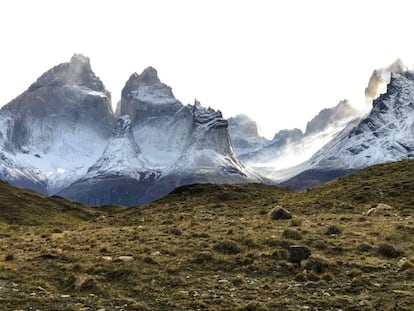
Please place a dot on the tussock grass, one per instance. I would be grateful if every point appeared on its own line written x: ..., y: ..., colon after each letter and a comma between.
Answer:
x: 214, y: 247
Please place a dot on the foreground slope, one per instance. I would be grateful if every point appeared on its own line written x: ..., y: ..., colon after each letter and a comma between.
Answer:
x: 26, y: 207
x: 214, y: 247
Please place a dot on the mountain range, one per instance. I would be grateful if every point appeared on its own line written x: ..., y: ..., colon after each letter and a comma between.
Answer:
x: 61, y: 137
x: 341, y: 139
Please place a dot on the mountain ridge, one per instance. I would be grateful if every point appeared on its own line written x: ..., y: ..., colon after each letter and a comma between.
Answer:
x: 58, y: 137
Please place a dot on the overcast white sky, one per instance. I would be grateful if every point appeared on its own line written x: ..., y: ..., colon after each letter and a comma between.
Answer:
x: 278, y: 61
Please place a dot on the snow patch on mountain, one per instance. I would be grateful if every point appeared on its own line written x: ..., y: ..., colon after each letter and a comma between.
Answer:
x: 54, y: 131
x: 122, y: 156
x: 290, y: 148
x: 386, y: 134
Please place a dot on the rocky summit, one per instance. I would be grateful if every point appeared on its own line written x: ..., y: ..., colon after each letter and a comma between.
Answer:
x: 384, y: 135
x: 62, y: 137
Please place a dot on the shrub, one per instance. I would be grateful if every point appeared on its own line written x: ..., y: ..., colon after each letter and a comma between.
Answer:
x: 292, y: 234
x: 203, y: 257
x: 227, y: 247
x: 319, y: 244
x: 317, y: 265
x: 9, y: 257
x: 327, y: 276
x: 295, y: 222
x: 388, y: 251
x: 312, y: 276
x: 175, y: 231
x: 333, y: 230
x: 364, y: 247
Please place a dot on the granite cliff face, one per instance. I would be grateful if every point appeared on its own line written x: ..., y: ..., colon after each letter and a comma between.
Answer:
x: 120, y: 176
x: 62, y: 137
x: 244, y: 134
x: 186, y: 143
x: 56, y: 129
x: 144, y: 96
x: 386, y: 134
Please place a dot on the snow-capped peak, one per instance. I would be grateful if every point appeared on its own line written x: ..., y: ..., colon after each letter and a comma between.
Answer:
x: 122, y: 156
x: 77, y: 72
x: 397, y: 66
x: 386, y: 134
x: 80, y: 58
x: 149, y: 76
x: 380, y: 78
x: 208, y: 116
x: 148, y: 88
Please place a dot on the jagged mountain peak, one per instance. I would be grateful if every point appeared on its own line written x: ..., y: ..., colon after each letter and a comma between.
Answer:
x: 144, y: 96
x: 380, y: 78
x: 209, y: 116
x: 148, y: 82
x: 397, y: 66
x: 149, y: 75
x: 147, y: 87
x: 81, y: 59
x: 76, y: 72
x: 244, y: 134
x: 385, y: 134
x: 287, y: 135
x: 329, y: 116
x: 244, y: 125
x: 398, y: 93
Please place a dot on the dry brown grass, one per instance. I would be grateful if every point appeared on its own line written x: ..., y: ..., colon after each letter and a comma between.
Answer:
x: 213, y: 247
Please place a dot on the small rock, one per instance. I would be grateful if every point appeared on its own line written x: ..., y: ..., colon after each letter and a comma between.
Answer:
x: 278, y: 213
x: 298, y: 253
x: 380, y: 210
x: 106, y: 258
x: 64, y: 296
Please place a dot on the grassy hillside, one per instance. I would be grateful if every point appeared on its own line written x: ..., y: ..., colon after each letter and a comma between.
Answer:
x: 214, y: 247
x: 26, y: 207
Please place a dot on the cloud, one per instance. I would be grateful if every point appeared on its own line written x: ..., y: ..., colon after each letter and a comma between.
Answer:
x: 379, y: 80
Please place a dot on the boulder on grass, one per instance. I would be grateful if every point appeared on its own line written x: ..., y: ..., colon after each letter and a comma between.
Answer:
x: 279, y: 213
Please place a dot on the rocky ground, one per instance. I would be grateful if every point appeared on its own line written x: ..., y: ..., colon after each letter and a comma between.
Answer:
x: 344, y: 246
